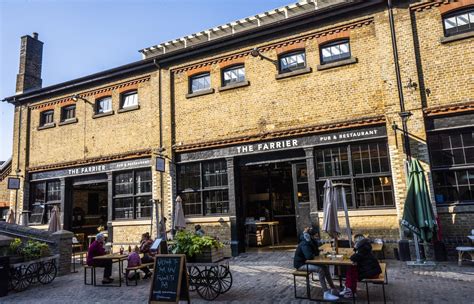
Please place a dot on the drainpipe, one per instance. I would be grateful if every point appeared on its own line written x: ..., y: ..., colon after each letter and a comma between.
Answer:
x: 403, y: 113
x: 17, y: 171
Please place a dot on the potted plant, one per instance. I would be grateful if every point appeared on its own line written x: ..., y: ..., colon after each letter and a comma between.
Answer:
x: 202, y: 249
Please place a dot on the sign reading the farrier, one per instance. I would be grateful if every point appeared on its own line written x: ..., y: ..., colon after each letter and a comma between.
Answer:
x: 287, y: 144
x: 268, y: 146
x: 93, y: 169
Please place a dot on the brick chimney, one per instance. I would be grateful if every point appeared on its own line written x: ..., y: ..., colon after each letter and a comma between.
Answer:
x: 31, y: 57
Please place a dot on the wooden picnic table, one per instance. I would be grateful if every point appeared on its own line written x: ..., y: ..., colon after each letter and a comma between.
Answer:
x: 376, y: 247
x: 115, y: 258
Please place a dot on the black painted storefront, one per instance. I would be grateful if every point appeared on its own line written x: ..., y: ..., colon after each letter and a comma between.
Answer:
x: 292, y: 151
x: 95, y: 176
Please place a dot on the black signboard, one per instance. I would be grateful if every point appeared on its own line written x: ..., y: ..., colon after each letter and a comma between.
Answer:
x: 160, y: 164
x: 170, y: 280
x: 13, y: 183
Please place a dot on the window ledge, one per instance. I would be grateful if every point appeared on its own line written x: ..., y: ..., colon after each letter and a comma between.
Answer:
x: 234, y: 86
x: 367, y: 212
x: 336, y: 64
x: 456, y: 37
x: 128, y: 109
x: 47, y: 126
x: 200, y: 93
x: 128, y: 222
x: 103, y: 114
x: 459, y: 208
x: 293, y: 73
x: 68, y: 121
x: 207, y: 219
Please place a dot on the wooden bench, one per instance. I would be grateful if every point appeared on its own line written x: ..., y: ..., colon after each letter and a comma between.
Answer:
x: 462, y: 250
x: 382, y: 279
x: 135, y: 270
x: 305, y: 274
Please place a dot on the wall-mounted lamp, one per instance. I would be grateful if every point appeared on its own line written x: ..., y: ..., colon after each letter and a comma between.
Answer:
x: 76, y: 97
x: 255, y: 52
x: 411, y: 84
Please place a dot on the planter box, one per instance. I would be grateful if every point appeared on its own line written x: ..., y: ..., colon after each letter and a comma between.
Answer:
x: 209, y: 255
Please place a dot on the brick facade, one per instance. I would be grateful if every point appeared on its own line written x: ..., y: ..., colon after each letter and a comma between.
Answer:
x: 360, y: 92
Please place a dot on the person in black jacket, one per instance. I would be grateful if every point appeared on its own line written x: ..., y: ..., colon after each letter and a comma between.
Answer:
x: 308, y: 249
x: 367, y: 267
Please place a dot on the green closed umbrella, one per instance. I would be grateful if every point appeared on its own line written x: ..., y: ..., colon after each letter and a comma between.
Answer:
x: 418, y: 214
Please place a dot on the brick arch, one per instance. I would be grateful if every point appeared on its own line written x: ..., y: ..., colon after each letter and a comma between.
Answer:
x: 322, y: 40
x: 454, y: 6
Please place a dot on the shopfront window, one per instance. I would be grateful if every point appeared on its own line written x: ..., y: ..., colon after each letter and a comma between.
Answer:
x: 302, y: 183
x: 44, y: 196
x: 132, y: 194
x: 364, y: 169
x: 204, y: 188
x: 452, y: 165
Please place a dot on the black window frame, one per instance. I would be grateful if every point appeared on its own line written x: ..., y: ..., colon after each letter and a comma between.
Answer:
x: 201, y: 190
x: 66, y: 110
x: 97, y: 102
x: 229, y: 68
x: 125, y: 94
x: 289, y: 54
x: 456, y: 13
x: 46, y: 204
x: 46, y: 118
x: 197, y: 76
x: 134, y: 195
x: 353, y: 177
x: 331, y: 44
x: 447, y: 172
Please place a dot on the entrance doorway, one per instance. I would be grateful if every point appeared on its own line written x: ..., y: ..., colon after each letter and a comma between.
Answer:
x: 89, y: 209
x: 267, y: 195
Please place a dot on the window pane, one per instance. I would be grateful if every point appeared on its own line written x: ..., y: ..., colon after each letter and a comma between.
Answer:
x: 46, y: 117
x: 191, y: 203
x: 143, y: 181
x: 130, y: 99
x: 104, y: 105
x: 335, y: 51
x: 189, y: 177
x: 215, y: 173
x: 303, y: 193
x: 234, y: 75
x: 450, y: 22
x: 216, y: 202
x: 293, y: 61
x: 200, y: 82
x: 123, y: 208
x: 144, y: 207
x: 68, y: 112
x: 54, y: 191
x: 124, y: 183
x: 451, y: 148
x: 374, y: 191
x: 459, y: 22
x: 39, y: 193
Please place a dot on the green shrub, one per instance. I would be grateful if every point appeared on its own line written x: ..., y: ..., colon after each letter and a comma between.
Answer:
x: 33, y: 250
x: 191, y: 244
x: 15, y: 245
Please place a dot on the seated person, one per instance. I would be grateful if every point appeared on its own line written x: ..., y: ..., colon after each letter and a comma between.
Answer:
x: 368, y: 267
x: 198, y: 230
x: 145, y: 245
x: 134, y: 261
x: 308, y: 249
x: 97, y: 249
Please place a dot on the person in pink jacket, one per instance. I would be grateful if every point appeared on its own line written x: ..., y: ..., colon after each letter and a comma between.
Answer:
x: 97, y: 249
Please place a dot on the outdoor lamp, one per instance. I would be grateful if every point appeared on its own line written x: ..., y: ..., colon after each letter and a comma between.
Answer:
x: 255, y: 52
x: 76, y: 97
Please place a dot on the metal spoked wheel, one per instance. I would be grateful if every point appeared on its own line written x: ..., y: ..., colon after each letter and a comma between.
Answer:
x: 31, y: 273
x: 225, y: 278
x: 47, y: 272
x: 19, y: 280
x: 194, y: 274
x: 208, y: 285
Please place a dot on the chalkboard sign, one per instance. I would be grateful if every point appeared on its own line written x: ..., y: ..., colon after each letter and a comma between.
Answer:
x: 170, y: 281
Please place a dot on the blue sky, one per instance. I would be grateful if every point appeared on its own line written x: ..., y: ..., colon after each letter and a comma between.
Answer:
x: 82, y: 37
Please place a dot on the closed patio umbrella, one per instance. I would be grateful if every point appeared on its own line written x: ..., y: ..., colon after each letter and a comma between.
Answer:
x: 418, y: 216
x: 55, y: 220
x: 179, y: 220
x: 330, y: 220
x: 11, y: 217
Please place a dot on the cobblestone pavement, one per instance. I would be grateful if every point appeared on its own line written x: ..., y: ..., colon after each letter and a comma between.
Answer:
x: 265, y: 278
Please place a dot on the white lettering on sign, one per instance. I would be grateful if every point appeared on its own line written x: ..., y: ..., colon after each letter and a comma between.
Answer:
x: 347, y: 135
x: 268, y: 146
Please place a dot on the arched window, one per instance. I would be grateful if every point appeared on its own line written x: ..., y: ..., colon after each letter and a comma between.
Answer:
x: 458, y: 22
x: 334, y: 51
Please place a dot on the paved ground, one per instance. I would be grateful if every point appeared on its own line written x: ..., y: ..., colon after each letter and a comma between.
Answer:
x: 265, y: 278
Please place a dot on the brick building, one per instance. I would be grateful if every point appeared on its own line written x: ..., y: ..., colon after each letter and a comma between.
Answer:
x: 5, y: 171
x: 253, y: 116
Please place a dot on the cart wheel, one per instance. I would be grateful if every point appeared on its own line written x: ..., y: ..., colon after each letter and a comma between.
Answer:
x: 19, y: 280
x: 31, y: 273
x: 47, y: 272
x: 208, y: 286
x: 225, y: 278
x: 193, y: 277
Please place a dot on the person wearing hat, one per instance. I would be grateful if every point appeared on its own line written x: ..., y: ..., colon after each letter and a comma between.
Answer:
x: 97, y: 249
x: 308, y: 249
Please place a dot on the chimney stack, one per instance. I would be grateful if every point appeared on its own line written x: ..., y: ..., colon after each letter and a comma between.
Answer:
x: 31, y: 57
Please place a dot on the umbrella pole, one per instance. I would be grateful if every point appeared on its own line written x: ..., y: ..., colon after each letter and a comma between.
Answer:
x: 336, y: 247
x: 346, y: 212
x: 417, y: 248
